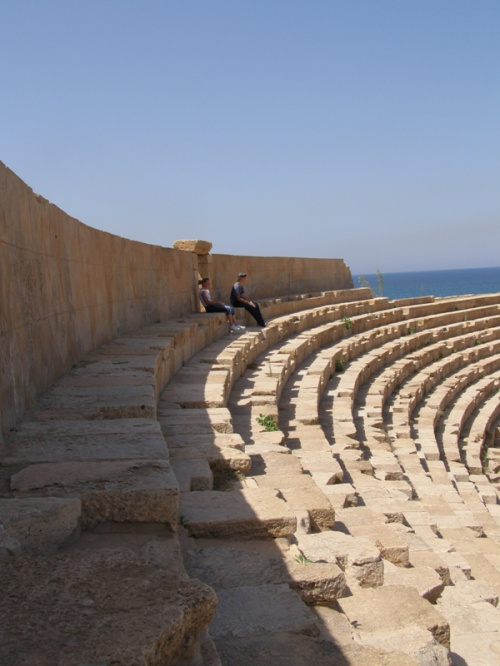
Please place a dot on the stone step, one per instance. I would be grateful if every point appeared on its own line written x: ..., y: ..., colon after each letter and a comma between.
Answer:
x: 70, y: 608
x: 288, y: 649
x: 194, y: 421
x: 246, y: 513
x: 424, y: 579
x: 357, y: 557
x: 96, y: 402
x: 225, y: 567
x: 218, y: 457
x: 389, y: 615
x: 130, y: 491
x: 80, y: 441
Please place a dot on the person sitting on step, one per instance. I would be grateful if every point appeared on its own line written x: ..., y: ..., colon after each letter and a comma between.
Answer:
x: 239, y: 300
x: 216, y: 306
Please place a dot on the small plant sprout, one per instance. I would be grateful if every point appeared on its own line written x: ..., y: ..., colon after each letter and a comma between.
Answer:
x: 347, y: 322
x: 339, y: 364
x: 302, y: 559
x: 267, y: 422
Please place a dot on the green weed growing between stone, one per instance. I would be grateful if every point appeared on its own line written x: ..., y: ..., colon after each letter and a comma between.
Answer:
x: 267, y: 422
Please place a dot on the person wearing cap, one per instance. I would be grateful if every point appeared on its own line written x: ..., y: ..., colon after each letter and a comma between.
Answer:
x: 239, y: 300
x: 216, y: 306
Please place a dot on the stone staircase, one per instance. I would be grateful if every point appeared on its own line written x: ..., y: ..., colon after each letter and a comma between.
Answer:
x: 364, y: 528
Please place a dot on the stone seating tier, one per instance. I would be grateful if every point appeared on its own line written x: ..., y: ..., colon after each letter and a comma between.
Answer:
x: 329, y: 509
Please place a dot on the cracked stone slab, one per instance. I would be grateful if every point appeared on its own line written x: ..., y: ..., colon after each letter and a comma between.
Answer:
x: 132, y: 491
x: 387, y: 540
x: 247, y: 513
x: 225, y: 567
x: 418, y: 644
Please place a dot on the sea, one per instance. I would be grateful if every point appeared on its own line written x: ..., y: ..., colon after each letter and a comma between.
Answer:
x: 455, y: 282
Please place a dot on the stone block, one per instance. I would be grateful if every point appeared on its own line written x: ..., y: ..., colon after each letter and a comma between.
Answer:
x: 358, y: 557
x: 132, y: 491
x: 391, y: 609
x: 312, y: 500
x: 424, y: 579
x: 193, y: 474
x: 387, y: 540
x: 262, y: 609
x: 194, y: 421
x: 40, y: 525
x: 199, y: 247
x: 80, y: 441
x: 97, y: 402
x: 108, y: 606
x: 248, y: 513
x: 317, y: 582
x: 218, y: 457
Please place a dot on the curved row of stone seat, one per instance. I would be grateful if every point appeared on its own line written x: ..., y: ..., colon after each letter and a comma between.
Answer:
x: 471, y: 399
x: 413, y: 390
x: 474, y: 443
x: 439, y: 400
x: 326, y: 362
x: 89, y: 514
x: 205, y: 383
x: 463, y: 519
x: 421, y: 519
x: 432, y: 366
x: 270, y: 371
x: 146, y: 376
x: 388, y: 550
x: 403, y: 373
x: 390, y: 470
x: 233, y: 514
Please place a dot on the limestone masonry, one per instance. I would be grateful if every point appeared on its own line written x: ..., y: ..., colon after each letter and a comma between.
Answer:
x: 323, y: 490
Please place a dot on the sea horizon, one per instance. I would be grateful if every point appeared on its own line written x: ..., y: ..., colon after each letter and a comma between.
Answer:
x: 438, y: 283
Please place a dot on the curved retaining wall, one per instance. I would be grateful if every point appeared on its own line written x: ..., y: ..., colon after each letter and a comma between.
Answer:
x: 66, y: 288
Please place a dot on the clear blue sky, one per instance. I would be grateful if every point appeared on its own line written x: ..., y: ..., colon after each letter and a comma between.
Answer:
x: 362, y: 129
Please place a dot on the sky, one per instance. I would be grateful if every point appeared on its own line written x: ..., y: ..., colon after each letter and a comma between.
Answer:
x: 362, y: 129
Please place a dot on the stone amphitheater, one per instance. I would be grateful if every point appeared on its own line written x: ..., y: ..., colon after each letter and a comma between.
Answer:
x: 320, y: 491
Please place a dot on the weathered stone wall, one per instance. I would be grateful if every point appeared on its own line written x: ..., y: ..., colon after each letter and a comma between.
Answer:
x: 66, y: 288
x: 277, y: 276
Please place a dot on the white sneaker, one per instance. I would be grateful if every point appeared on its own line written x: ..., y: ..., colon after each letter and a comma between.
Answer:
x: 242, y: 328
x: 234, y: 328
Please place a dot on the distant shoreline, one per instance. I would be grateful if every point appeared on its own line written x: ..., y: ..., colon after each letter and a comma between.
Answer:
x: 449, y: 282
